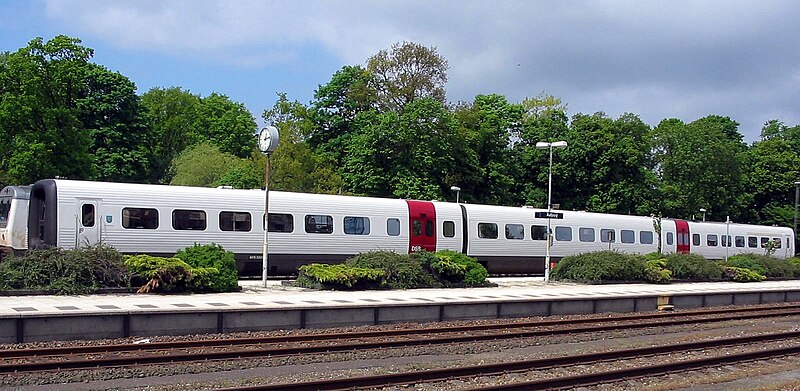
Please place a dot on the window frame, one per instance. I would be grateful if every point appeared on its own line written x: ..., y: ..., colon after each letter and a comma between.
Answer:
x: 316, y: 227
x: 586, y: 235
x: 488, y: 231
x: 519, y: 233
x: 362, y: 231
x: 138, y: 218
x: 234, y: 223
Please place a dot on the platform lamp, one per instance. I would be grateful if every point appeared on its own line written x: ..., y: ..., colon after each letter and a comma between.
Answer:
x: 550, y: 146
x: 704, y: 213
x: 796, y: 201
x: 268, y: 141
x: 457, y: 190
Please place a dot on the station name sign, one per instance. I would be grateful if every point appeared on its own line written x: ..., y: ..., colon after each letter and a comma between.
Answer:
x: 548, y: 215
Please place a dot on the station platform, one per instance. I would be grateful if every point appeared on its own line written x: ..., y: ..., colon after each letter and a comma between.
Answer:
x: 278, y: 306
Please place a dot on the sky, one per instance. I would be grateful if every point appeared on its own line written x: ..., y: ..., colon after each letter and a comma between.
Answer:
x: 656, y: 59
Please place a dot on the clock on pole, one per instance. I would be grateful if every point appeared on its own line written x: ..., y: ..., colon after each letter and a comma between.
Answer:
x: 268, y: 139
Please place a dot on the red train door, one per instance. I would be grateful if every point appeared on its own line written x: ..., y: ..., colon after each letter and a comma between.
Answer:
x: 682, y: 239
x: 422, y: 229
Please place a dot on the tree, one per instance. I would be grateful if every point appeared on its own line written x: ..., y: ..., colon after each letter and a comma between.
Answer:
x: 171, y: 114
x: 774, y: 167
x: 40, y: 86
x: 701, y: 165
x: 406, y: 72
x: 203, y: 165
x: 228, y: 124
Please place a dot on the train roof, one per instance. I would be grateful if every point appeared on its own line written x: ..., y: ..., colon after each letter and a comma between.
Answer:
x: 17, y: 192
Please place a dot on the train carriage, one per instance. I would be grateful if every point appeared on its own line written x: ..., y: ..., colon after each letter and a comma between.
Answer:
x: 13, y: 219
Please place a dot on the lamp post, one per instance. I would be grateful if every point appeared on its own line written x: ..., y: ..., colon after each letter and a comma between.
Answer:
x: 268, y: 141
x: 457, y: 190
x: 704, y: 213
x: 796, y: 201
x: 550, y: 146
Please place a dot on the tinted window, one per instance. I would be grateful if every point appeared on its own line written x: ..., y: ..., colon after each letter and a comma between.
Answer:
x: 235, y: 221
x: 764, y: 242
x: 279, y: 222
x: 487, y: 230
x: 139, y: 218
x: 449, y: 229
x: 319, y: 224
x: 356, y: 225
x: 188, y: 219
x: 429, y: 228
x: 739, y: 241
x: 646, y: 237
x: 393, y: 227
x: 586, y: 234
x: 538, y: 232
x: 5, y: 210
x: 711, y: 240
x: 607, y: 235
x: 726, y: 240
x: 564, y: 234
x: 628, y: 236
x: 416, y: 228
x: 515, y: 231
x: 87, y: 215
x: 670, y: 238
x: 752, y: 241
x: 777, y: 242
x: 695, y: 239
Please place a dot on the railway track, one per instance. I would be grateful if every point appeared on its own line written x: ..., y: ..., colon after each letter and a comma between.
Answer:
x: 94, y: 357
x: 587, y: 379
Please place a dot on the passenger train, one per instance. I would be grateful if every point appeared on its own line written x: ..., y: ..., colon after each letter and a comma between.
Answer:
x: 304, y: 228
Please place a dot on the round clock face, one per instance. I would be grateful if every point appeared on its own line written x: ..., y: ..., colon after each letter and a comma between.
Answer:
x: 268, y: 139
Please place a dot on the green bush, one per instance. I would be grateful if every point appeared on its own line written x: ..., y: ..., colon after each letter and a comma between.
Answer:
x: 339, y: 276
x: 226, y: 279
x: 76, y: 271
x: 739, y: 274
x: 600, y: 266
x: 454, y: 267
x: 158, y: 274
x: 765, y: 265
x: 401, y: 270
x: 655, y: 271
x: 693, y: 267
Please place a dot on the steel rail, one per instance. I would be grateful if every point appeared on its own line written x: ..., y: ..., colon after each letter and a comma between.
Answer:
x: 159, y: 358
x: 427, y: 376
x: 74, y: 350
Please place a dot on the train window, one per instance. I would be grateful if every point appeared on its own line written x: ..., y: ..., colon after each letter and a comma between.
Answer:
x: 670, y: 238
x: 695, y: 239
x: 752, y: 241
x: 711, y: 240
x: 739, y: 241
x: 393, y: 227
x: 416, y: 228
x: 538, y: 232
x: 627, y: 236
x: 5, y: 210
x: 586, y: 234
x: 279, y: 222
x: 487, y: 230
x: 356, y: 225
x: 319, y: 224
x: 764, y: 242
x: 726, y: 241
x: 235, y: 221
x: 646, y: 237
x: 515, y: 231
x: 607, y: 235
x: 139, y: 218
x: 87, y: 215
x: 188, y: 220
x: 564, y: 234
x: 429, y: 228
x: 449, y: 229
x: 777, y: 242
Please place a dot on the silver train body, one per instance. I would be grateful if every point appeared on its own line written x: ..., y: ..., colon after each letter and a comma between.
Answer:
x: 14, y: 219
x: 305, y: 228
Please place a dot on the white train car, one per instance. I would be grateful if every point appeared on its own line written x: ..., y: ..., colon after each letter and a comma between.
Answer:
x: 13, y: 219
x: 716, y: 240
x: 161, y: 220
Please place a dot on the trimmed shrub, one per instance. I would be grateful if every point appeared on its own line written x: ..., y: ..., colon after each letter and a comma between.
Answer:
x: 765, y: 265
x: 739, y: 274
x: 693, y: 267
x: 401, y: 271
x: 454, y: 267
x: 157, y: 274
x: 68, y: 272
x: 656, y: 271
x: 226, y: 279
x: 596, y: 267
x: 338, y: 276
